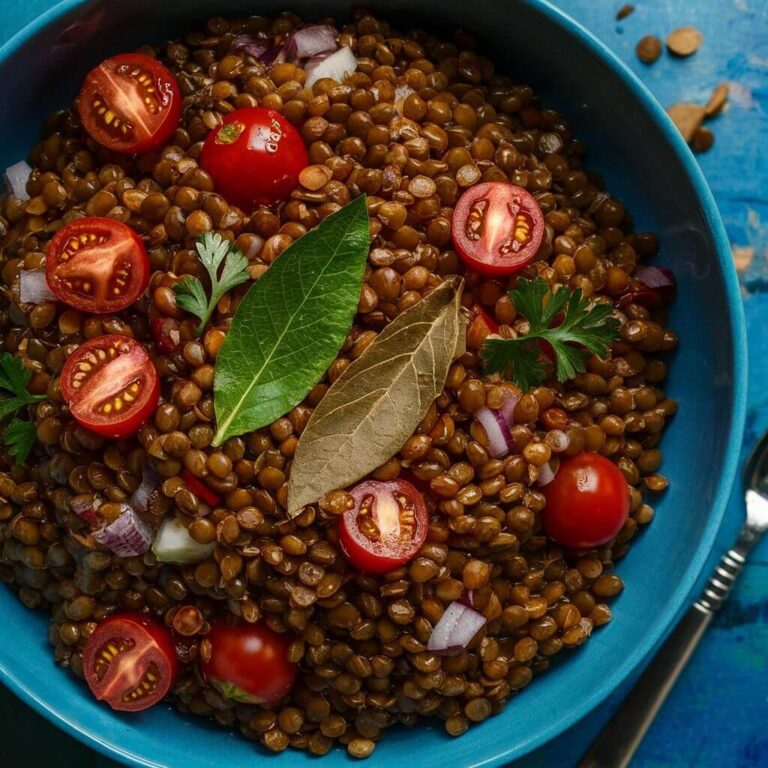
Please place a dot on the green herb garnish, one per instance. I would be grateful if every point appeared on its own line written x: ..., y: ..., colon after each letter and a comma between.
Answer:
x: 290, y: 325
x: 589, y: 326
x: 213, y: 250
x: 14, y: 377
x: 19, y: 436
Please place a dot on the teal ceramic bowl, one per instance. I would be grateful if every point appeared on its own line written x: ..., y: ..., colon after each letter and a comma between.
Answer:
x: 646, y: 163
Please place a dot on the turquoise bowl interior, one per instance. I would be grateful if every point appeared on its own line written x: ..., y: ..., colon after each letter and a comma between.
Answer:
x: 646, y: 163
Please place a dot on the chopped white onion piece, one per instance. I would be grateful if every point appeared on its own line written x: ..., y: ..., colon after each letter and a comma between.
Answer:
x: 310, y: 41
x: 33, y: 287
x: 128, y: 536
x: 16, y: 178
x: 336, y: 66
x: 547, y: 473
x: 173, y: 544
x: 456, y: 628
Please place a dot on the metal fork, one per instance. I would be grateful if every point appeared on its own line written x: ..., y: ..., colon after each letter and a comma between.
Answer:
x: 616, y: 743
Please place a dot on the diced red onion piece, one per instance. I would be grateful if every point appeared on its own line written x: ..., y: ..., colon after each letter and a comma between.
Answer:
x: 16, y: 178
x: 508, y: 409
x: 456, y: 628
x: 656, y: 277
x: 496, y: 429
x: 249, y: 46
x: 85, y: 506
x: 149, y: 481
x: 273, y: 55
x: 311, y: 41
x: 128, y: 536
x: 33, y: 287
x: 546, y: 475
x: 336, y: 66
x: 467, y: 597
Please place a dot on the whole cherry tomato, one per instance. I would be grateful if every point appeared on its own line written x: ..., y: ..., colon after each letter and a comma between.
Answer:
x: 255, y: 157
x: 587, y: 502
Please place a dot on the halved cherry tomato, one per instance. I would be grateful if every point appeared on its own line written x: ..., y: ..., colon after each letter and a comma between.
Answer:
x: 249, y: 663
x: 110, y: 385
x: 130, y: 662
x: 130, y: 103
x: 200, y: 489
x: 386, y: 527
x: 97, y: 265
x: 587, y: 502
x: 497, y: 228
x: 255, y: 157
x: 480, y: 328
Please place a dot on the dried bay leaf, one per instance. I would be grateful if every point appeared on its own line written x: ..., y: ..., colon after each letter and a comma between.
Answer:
x: 375, y: 405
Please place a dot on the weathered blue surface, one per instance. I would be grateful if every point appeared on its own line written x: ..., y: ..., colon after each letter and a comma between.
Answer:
x: 716, y: 715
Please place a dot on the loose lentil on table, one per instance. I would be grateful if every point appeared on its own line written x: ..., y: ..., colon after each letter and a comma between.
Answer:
x: 360, y: 640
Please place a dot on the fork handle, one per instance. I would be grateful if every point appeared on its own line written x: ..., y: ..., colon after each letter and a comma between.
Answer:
x: 616, y: 743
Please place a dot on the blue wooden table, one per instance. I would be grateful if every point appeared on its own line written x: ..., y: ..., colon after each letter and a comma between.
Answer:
x: 716, y: 716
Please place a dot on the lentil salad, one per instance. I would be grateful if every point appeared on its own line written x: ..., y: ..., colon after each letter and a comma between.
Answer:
x: 360, y: 640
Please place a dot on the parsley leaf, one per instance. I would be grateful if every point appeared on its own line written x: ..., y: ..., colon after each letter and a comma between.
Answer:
x: 213, y: 250
x: 19, y: 436
x: 14, y: 377
x: 590, y: 326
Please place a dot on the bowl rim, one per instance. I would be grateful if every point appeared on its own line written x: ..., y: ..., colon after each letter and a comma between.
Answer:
x: 737, y: 325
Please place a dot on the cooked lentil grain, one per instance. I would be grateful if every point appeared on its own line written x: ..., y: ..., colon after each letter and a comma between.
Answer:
x: 360, y: 640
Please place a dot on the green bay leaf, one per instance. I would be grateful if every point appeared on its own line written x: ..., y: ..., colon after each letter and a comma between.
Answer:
x: 375, y: 405
x: 291, y: 324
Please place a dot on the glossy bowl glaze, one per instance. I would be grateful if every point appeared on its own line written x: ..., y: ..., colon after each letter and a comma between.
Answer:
x: 646, y: 163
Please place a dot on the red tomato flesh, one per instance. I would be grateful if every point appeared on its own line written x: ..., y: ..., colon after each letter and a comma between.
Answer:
x: 130, y: 662
x: 497, y: 228
x: 255, y: 157
x: 97, y: 265
x: 200, y: 489
x: 249, y: 663
x: 386, y: 527
x: 110, y: 385
x: 130, y: 103
x: 587, y: 502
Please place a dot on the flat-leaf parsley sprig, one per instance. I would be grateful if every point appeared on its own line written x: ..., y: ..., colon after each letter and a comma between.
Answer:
x: 19, y: 435
x: 213, y: 250
x: 586, y: 328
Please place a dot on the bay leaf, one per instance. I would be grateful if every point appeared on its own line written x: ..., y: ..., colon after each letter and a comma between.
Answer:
x: 375, y: 405
x: 290, y: 325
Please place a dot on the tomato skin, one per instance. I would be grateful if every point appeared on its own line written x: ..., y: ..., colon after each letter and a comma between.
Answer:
x: 129, y: 76
x: 152, y: 644
x: 587, y: 502
x: 249, y: 662
x: 86, y: 395
x: 200, y: 489
x: 69, y: 269
x: 394, y: 547
x: 497, y: 228
x: 164, y: 330
x: 254, y: 157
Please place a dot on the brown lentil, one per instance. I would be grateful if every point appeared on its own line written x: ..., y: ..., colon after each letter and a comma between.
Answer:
x: 361, y: 640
